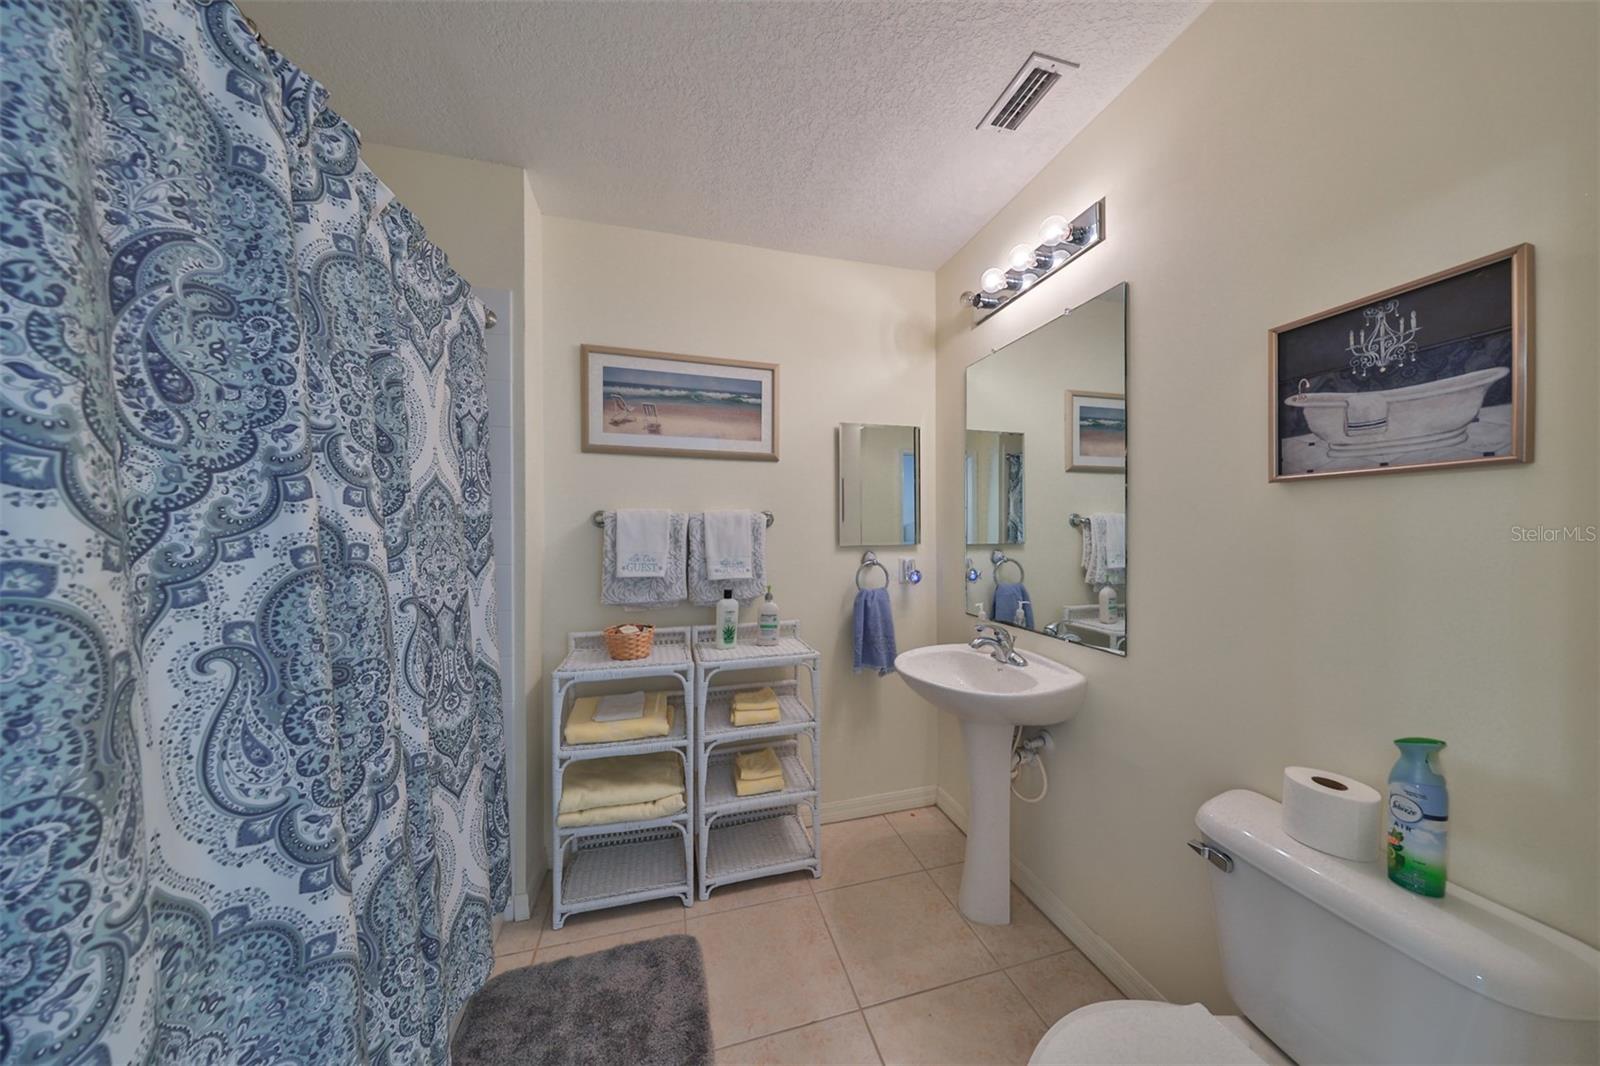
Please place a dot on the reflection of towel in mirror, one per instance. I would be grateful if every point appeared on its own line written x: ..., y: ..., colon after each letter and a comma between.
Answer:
x: 1097, y: 569
x: 1366, y: 412
x: 1116, y: 541
x: 874, y: 632
x: 1009, y: 598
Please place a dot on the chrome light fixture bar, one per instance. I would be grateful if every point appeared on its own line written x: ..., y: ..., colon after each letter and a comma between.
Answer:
x: 1060, y: 242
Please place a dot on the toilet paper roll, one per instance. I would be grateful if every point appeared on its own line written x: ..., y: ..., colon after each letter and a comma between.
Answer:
x: 1331, y: 812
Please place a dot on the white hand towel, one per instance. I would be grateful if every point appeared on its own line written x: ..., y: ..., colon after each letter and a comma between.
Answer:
x: 729, y: 545
x: 644, y: 542
x: 1116, y: 541
x: 620, y: 708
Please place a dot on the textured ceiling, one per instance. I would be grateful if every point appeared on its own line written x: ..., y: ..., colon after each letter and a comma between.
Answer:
x: 838, y: 129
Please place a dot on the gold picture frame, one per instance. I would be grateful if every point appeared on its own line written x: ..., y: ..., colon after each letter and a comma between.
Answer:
x: 641, y: 402
x: 1113, y: 459
x: 1460, y: 396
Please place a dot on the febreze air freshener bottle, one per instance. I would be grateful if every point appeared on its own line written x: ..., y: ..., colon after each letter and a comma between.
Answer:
x: 1419, y: 812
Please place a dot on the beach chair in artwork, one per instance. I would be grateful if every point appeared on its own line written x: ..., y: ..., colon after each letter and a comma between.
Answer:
x: 652, y: 422
x: 622, y: 414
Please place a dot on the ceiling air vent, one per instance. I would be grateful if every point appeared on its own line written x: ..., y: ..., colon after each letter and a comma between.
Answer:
x: 1035, y: 78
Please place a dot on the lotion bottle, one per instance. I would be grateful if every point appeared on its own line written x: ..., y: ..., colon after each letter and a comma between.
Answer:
x: 1108, y: 603
x: 767, y: 623
x: 727, y: 620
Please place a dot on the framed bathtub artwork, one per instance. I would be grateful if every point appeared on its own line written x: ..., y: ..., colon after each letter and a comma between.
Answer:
x: 639, y: 402
x: 1097, y: 431
x: 1432, y: 374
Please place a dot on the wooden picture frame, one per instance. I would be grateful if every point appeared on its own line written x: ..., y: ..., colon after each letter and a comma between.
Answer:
x: 640, y: 402
x: 1443, y: 369
x: 1109, y: 455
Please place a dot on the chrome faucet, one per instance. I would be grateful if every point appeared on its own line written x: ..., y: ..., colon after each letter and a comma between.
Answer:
x: 998, y: 641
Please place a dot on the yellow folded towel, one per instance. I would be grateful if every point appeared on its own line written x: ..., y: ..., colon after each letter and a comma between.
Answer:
x: 624, y: 812
x: 755, y: 764
x: 766, y: 717
x: 655, y: 722
x: 621, y: 780
x: 758, y: 785
x: 759, y: 699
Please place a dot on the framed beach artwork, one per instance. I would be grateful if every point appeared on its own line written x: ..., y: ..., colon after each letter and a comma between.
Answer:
x: 657, y: 403
x: 1435, y: 373
x: 1097, y: 431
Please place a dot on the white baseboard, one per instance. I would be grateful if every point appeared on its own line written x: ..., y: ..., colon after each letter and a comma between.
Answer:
x: 518, y: 909
x: 1129, y: 981
x: 881, y: 803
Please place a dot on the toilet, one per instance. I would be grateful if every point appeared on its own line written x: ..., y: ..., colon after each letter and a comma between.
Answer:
x: 1331, y: 963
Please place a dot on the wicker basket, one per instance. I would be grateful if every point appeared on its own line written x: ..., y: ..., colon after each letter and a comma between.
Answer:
x: 630, y: 645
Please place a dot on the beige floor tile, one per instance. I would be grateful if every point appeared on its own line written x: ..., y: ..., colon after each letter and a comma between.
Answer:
x: 932, y: 838
x: 1030, y: 934
x: 841, y: 1041
x: 770, y: 967
x: 600, y: 943
x: 984, y: 1020
x: 502, y: 963
x: 1059, y: 984
x: 614, y: 920
x: 749, y: 893
x: 517, y: 937
x: 862, y: 850
x: 900, y: 936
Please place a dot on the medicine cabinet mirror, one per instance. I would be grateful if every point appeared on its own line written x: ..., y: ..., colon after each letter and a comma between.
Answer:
x: 879, y: 490
x: 1046, y: 482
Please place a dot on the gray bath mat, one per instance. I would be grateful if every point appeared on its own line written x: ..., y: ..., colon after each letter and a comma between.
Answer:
x: 639, y: 1003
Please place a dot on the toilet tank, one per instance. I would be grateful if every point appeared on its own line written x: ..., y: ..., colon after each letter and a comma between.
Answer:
x: 1338, y: 965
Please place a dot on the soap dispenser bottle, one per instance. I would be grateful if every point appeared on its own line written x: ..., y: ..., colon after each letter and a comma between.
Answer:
x: 727, y: 620
x: 1419, y: 817
x: 767, y: 623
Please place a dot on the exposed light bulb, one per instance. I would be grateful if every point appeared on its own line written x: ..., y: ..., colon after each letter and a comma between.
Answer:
x: 993, y: 280
x: 1021, y: 257
x: 1052, y: 230
x: 1027, y: 280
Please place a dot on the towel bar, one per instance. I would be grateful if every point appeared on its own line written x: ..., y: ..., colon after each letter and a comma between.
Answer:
x: 599, y: 518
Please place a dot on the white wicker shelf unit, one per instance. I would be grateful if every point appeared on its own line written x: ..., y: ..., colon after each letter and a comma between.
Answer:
x: 598, y: 866
x: 745, y: 837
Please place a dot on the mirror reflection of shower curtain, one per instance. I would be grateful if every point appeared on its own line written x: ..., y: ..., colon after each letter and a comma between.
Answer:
x: 1014, y: 476
x: 254, y: 804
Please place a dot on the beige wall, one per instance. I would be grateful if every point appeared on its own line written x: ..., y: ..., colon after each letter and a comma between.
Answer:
x: 854, y: 343
x: 485, y: 218
x: 1276, y: 160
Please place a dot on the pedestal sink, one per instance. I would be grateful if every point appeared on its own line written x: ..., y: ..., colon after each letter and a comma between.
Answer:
x: 991, y: 698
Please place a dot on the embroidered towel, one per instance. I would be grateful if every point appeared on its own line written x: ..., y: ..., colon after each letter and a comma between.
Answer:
x: 644, y: 543
x: 729, y: 545
x: 704, y: 590
x: 873, y: 632
x: 1116, y: 541
x: 645, y: 592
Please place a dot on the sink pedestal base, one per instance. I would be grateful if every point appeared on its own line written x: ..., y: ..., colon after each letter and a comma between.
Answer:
x: 986, y: 878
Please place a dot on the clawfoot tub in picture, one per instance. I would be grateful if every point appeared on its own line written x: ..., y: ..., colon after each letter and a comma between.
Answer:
x: 1411, y: 418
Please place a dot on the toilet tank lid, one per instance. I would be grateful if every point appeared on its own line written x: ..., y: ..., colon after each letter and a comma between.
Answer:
x: 1473, y: 941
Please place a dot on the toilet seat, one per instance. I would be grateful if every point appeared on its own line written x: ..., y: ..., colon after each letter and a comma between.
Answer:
x: 1143, y: 1033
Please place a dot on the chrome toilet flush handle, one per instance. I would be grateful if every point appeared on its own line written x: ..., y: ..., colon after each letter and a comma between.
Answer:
x: 1214, y: 855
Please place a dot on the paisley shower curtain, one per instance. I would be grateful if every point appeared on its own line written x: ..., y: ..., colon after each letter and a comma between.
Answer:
x: 252, y: 791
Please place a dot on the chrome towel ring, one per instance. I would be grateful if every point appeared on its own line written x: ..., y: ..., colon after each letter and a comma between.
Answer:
x: 999, y: 559
x: 869, y: 560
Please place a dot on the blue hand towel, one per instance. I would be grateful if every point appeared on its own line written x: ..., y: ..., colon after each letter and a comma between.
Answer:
x: 1006, y: 599
x: 874, y: 632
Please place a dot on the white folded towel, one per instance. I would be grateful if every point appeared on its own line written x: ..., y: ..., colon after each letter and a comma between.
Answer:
x: 1116, y: 541
x: 1366, y: 413
x: 644, y: 543
x: 730, y: 547
x: 620, y: 707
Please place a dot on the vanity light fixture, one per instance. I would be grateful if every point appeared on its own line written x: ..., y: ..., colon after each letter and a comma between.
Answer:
x: 1060, y: 242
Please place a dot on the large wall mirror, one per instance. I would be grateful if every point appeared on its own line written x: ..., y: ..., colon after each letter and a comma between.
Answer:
x: 880, y: 499
x: 1046, y: 481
